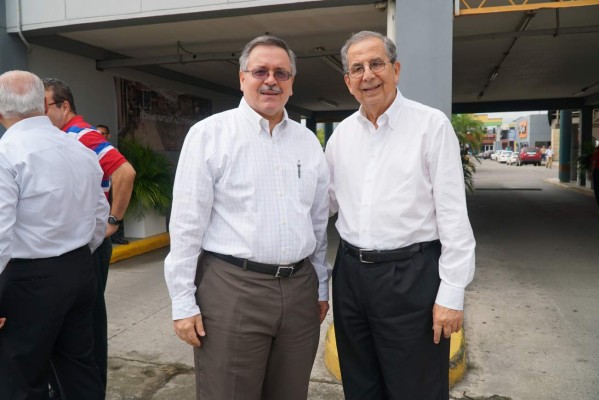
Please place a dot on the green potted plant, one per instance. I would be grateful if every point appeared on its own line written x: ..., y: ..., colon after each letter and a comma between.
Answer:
x: 152, y: 190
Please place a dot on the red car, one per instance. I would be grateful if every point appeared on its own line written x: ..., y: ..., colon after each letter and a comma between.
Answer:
x: 529, y: 155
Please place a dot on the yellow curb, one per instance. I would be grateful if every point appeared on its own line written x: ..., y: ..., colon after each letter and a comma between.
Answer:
x: 137, y: 247
x: 331, y: 358
x: 457, y: 356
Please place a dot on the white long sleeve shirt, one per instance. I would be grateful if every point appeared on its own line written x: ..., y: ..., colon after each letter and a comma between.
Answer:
x: 51, y: 199
x: 240, y: 191
x: 402, y: 184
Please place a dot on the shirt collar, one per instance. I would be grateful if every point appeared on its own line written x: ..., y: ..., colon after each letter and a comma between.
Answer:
x: 391, y: 114
x: 28, y: 123
x: 76, y: 120
x: 258, y: 122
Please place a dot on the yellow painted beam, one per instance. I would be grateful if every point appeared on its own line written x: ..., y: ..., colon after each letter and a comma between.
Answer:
x: 457, y: 356
x: 525, y: 7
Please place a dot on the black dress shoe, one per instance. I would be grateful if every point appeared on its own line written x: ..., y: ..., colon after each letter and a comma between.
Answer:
x: 119, y: 240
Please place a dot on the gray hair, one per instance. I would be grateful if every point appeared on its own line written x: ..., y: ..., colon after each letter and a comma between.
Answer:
x: 266, y: 40
x: 364, y: 35
x: 21, y: 95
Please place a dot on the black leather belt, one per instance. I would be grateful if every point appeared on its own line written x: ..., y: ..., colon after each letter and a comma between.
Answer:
x: 370, y: 256
x: 278, y: 271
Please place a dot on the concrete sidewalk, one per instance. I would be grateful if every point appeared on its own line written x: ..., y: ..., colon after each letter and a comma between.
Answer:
x: 146, y: 360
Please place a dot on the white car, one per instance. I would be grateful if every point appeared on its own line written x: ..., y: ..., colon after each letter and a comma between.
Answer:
x: 504, y: 156
x: 496, y: 154
x: 513, y: 158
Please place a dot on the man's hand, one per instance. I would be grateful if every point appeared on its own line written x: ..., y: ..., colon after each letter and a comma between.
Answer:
x: 111, y: 230
x: 323, y: 308
x: 190, y: 329
x: 2, y: 321
x: 446, y: 321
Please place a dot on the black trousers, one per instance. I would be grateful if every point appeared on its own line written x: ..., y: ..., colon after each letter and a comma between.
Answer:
x: 383, y: 328
x: 48, y: 308
x: 101, y: 258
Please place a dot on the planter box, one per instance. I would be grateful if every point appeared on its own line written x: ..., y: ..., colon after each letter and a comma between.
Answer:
x: 151, y: 225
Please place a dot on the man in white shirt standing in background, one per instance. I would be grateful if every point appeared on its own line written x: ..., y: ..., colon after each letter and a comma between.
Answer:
x: 250, y: 202
x: 407, y: 248
x: 53, y: 215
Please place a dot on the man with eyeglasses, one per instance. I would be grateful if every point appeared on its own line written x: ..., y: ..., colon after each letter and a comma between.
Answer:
x: 119, y: 175
x: 246, y: 272
x: 407, y: 248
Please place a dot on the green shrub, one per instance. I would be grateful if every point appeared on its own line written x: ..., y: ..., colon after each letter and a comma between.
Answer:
x: 153, y: 185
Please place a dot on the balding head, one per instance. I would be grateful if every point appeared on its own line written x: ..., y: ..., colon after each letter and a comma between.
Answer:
x: 21, y: 95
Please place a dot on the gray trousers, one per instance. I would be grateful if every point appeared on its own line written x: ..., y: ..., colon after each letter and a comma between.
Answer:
x: 261, y: 332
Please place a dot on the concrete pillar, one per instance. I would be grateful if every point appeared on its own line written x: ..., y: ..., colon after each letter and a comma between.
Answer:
x: 328, y: 131
x: 13, y: 51
x: 424, y: 39
x: 574, y: 152
x: 565, y: 145
x: 311, y: 124
x: 586, y: 135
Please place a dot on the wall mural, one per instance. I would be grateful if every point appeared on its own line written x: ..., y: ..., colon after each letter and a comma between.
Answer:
x: 157, y: 117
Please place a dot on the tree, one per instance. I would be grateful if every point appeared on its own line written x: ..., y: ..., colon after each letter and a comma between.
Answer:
x: 470, y: 130
x: 470, y: 133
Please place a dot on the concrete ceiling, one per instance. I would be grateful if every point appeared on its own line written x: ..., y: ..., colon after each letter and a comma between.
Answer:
x: 540, y: 55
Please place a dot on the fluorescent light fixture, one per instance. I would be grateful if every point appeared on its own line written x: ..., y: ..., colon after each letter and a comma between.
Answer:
x: 328, y: 102
x: 381, y: 5
x: 493, y: 76
x: 333, y: 63
x: 585, y: 89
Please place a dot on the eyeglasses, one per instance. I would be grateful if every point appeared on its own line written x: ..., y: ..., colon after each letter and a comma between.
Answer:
x: 357, y: 70
x: 56, y: 102
x: 262, y: 74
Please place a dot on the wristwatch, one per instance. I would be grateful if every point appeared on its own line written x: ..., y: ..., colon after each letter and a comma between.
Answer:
x: 112, y: 220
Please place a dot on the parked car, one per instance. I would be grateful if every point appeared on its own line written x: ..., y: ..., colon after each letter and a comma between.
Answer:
x: 513, y: 159
x: 495, y: 155
x: 529, y: 155
x: 487, y: 154
x: 503, y: 157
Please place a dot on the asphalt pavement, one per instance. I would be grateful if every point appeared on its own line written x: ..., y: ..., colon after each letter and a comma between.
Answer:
x: 531, y: 312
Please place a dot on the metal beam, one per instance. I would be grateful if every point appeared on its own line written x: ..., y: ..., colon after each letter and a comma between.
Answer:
x: 518, y: 105
x: 333, y: 116
x: 536, y: 32
x: 191, y: 58
x: 524, y: 5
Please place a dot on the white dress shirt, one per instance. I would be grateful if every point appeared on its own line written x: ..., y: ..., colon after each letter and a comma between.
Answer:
x: 51, y: 200
x: 402, y: 184
x: 240, y: 191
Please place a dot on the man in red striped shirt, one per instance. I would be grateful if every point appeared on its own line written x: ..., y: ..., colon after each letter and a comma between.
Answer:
x: 118, y: 172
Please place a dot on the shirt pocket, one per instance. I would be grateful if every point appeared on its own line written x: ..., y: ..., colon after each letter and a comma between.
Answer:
x: 306, y: 178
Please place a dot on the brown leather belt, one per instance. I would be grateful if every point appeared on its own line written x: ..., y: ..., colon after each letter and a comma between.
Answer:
x: 370, y: 256
x: 278, y: 271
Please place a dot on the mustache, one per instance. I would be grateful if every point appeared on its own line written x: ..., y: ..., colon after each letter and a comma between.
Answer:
x: 270, y: 88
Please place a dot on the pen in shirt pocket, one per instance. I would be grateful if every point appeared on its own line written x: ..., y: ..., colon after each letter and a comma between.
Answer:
x: 299, y: 169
